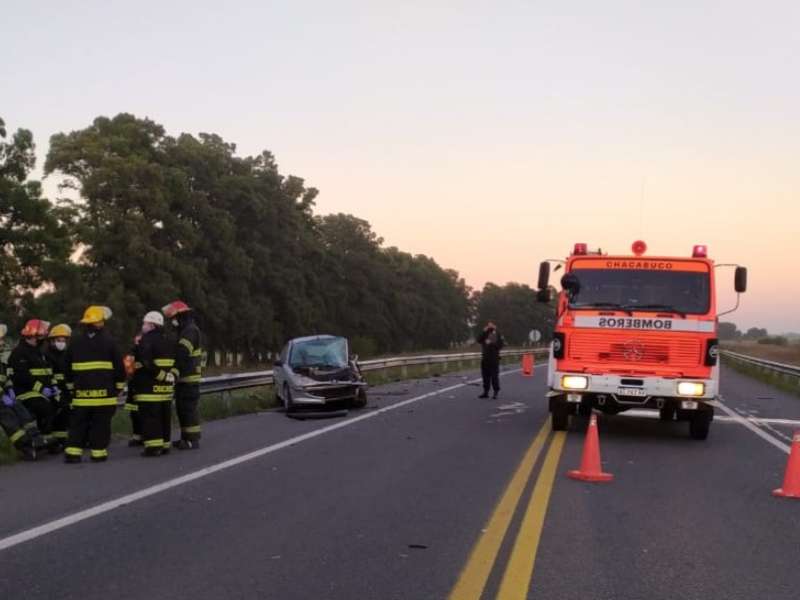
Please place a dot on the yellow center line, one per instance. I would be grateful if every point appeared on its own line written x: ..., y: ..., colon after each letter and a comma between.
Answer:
x: 476, y: 572
x: 519, y: 571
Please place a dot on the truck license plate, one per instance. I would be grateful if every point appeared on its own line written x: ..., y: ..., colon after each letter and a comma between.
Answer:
x: 639, y: 393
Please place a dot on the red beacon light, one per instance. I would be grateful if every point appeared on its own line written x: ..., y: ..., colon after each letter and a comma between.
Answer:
x: 639, y: 247
x: 580, y: 249
x: 700, y: 251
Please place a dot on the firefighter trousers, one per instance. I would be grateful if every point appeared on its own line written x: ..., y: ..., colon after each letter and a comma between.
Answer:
x: 156, y: 423
x: 61, y: 421
x: 187, y: 399
x: 18, y: 425
x: 136, y: 419
x: 90, y: 426
x: 42, y: 410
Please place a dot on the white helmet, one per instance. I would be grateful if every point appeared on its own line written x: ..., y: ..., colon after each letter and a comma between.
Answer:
x: 154, y: 317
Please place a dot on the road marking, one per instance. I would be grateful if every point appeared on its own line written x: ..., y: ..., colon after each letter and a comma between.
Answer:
x: 475, y: 574
x: 94, y: 511
x: 638, y: 412
x: 519, y: 571
x: 752, y: 427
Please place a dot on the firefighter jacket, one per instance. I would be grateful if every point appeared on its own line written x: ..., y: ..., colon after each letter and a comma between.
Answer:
x: 29, y: 371
x: 189, y: 355
x: 58, y: 362
x: 95, y: 373
x: 154, y: 368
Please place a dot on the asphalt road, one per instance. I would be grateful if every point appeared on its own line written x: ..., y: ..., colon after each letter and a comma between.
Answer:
x: 428, y: 493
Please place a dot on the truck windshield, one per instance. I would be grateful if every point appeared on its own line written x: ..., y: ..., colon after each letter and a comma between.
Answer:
x: 646, y: 290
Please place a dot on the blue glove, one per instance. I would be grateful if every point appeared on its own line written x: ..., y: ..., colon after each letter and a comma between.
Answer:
x: 48, y: 392
x: 8, y: 398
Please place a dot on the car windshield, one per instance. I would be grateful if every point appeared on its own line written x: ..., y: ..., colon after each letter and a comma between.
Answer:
x: 630, y: 289
x: 323, y: 353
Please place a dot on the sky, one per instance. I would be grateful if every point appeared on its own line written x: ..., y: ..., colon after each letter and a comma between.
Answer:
x: 488, y: 135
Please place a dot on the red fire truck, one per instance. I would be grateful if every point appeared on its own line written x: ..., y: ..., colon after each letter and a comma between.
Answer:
x: 635, y: 331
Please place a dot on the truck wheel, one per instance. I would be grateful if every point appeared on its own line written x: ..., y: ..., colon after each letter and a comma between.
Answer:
x: 560, y: 417
x: 666, y: 413
x: 699, y: 426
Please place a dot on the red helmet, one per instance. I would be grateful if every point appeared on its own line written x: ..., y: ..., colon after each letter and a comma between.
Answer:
x: 175, y: 308
x: 35, y: 327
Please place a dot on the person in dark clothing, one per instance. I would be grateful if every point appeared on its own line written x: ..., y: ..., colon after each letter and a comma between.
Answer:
x: 15, y: 420
x: 56, y: 353
x: 32, y: 378
x: 153, y: 384
x: 96, y: 377
x: 491, y: 344
x: 189, y: 364
x: 130, y: 403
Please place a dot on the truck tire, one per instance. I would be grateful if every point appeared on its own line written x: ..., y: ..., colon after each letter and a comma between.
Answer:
x: 560, y: 416
x: 699, y: 425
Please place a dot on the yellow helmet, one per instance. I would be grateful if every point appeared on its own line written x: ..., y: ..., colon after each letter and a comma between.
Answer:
x: 96, y: 314
x: 60, y: 330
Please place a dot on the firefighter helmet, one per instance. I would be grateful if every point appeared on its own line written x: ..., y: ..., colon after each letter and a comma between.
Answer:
x: 35, y: 328
x: 60, y: 330
x: 154, y: 317
x: 175, y: 308
x: 96, y: 314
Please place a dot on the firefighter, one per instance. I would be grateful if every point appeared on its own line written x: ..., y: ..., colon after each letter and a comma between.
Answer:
x: 96, y: 377
x: 188, y: 360
x: 16, y: 421
x: 32, y: 377
x: 56, y: 352
x: 153, y: 384
x: 130, y: 404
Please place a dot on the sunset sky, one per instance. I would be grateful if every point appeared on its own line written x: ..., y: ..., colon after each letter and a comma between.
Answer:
x: 489, y: 135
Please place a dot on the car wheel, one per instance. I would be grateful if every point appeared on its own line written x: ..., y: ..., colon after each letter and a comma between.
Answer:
x: 288, y: 405
x: 360, y: 400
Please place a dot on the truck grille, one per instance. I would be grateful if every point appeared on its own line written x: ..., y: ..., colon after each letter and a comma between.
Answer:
x: 608, y: 347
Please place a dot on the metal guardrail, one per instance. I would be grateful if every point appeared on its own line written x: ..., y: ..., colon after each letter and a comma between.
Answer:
x: 236, y: 381
x: 767, y: 365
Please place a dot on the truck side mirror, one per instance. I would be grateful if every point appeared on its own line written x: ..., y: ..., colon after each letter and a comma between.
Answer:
x: 544, y: 275
x: 740, y: 280
x: 571, y: 284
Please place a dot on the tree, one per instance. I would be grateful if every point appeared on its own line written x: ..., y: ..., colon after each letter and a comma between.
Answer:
x: 728, y: 331
x: 33, y: 240
x: 755, y: 333
x: 515, y: 310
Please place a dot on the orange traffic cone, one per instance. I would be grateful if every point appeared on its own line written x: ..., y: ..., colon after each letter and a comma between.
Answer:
x: 527, y: 365
x: 791, y: 480
x: 591, y: 469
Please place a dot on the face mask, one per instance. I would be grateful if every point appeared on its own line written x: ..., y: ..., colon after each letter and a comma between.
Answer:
x: 60, y: 345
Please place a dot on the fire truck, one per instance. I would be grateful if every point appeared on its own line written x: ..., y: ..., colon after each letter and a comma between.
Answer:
x: 635, y: 331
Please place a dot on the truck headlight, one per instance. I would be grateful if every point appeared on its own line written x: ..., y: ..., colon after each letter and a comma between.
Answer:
x: 691, y: 388
x: 574, y: 382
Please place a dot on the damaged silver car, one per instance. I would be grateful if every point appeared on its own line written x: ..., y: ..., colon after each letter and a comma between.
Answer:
x: 317, y: 372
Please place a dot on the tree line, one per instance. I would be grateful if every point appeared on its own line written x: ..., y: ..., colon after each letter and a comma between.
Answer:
x: 144, y: 217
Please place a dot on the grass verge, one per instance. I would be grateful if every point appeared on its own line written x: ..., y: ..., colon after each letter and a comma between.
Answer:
x: 786, y: 383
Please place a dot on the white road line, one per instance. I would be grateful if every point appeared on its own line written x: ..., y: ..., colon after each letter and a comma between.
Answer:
x: 44, y: 529
x: 652, y: 414
x: 752, y: 427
